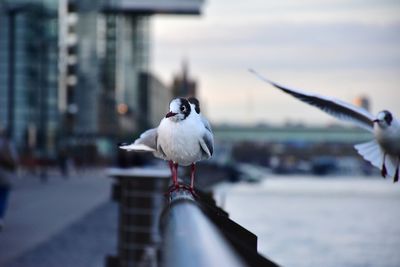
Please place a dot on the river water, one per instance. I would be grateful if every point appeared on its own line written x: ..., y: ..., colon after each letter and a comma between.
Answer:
x: 303, y: 221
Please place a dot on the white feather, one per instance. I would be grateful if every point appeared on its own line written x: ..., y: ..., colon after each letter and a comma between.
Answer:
x: 372, y: 152
x: 391, y: 163
x: 137, y: 147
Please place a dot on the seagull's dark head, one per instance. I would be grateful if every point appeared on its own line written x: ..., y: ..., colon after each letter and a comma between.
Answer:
x: 195, y: 102
x: 384, y: 119
x: 179, y: 109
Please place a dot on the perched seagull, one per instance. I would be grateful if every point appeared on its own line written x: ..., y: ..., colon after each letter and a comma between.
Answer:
x: 383, y: 152
x: 183, y: 137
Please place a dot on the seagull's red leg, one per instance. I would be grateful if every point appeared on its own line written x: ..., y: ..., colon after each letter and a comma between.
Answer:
x: 396, y: 174
x: 174, y: 170
x: 192, y: 171
x: 171, y: 166
x: 383, y: 169
x: 175, y: 176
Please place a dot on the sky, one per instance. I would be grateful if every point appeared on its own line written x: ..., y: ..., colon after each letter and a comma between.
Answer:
x: 338, y: 48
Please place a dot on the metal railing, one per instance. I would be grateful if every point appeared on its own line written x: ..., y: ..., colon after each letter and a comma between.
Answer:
x: 191, y: 239
x: 195, y: 232
x: 184, y: 231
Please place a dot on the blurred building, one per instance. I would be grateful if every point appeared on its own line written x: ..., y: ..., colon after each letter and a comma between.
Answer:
x: 362, y: 102
x: 78, y: 71
x: 183, y: 85
x: 155, y: 99
x: 28, y: 72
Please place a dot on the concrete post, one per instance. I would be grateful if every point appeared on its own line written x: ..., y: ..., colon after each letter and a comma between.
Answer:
x: 140, y: 193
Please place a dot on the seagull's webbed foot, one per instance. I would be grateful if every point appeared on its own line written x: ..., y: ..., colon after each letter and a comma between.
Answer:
x: 176, y: 187
x: 193, y: 192
x: 171, y: 189
x: 180, y: 186
x: 190, y: 189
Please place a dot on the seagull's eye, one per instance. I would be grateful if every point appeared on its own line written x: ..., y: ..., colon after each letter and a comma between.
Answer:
x: 183, y: 108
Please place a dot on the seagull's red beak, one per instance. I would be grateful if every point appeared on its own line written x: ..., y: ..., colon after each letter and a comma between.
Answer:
x: 170, y: 114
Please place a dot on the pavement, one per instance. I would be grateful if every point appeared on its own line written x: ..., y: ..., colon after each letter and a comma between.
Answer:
x: 63, y: 222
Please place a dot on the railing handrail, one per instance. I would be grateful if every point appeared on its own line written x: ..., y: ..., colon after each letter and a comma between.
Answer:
x: 191, y: 239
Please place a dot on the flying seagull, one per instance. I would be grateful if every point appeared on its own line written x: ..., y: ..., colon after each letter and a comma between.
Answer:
x: 183, y: 137
x: 383, y: 152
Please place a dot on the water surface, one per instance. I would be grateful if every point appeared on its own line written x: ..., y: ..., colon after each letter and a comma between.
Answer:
x: 305, y: 221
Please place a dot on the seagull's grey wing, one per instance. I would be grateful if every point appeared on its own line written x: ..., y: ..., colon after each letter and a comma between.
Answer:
x: 207, y: 144
x: 148, y: 138
x: 332, y: 106
x: 207, y: 141
x: 136, y: 147
x: 206, y: 123
x: 146, y: 142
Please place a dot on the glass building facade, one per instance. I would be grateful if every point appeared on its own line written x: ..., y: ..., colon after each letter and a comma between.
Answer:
x: 28, y: 73
x: 72, y: 71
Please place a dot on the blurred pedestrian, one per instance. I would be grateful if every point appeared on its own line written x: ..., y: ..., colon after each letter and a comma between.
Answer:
x: 63, y: 161
x: 8, y: 167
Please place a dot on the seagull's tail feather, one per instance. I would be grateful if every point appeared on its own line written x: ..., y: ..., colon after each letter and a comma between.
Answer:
x: 372, y: 152
x: 137, y: 147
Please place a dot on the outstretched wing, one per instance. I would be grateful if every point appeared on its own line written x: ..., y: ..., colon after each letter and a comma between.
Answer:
x: 332, y: 106
x: 136, y: 147
x: 147, y: 142
x: 148, y: 138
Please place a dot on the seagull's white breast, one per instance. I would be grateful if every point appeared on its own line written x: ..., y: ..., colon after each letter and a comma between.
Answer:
x: 389, y: 138
x: 180, y: 140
